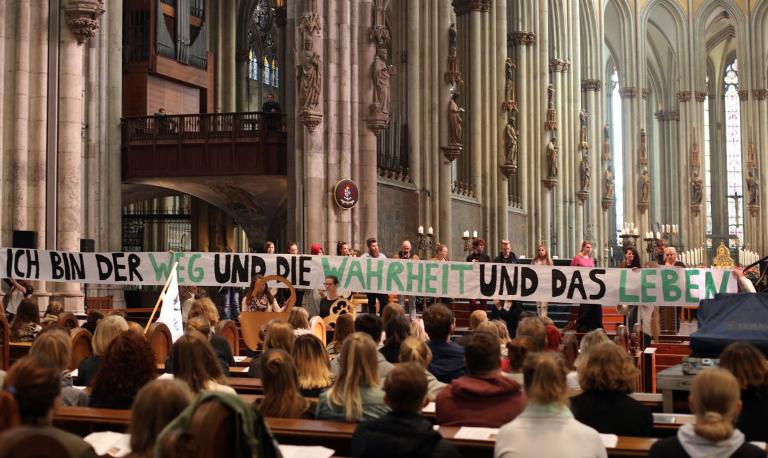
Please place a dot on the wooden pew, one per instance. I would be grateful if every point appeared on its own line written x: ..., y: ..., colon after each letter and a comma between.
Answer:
x: 159, y: 337
x: 228, y: 330
x: 245, y: 385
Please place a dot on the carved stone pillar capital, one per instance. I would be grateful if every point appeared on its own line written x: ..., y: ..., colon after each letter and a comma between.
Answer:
x: 466, y: 6
x: 559, y: 65
x: 667, y: 116
x: 591, y: 84
x: 644, y: 93
x: 760, y: 94
x: 744, y: 95
x: 83, y: 17
x: 683, y: 96
x: 519, y: 37
x: 700, y: 96
x: 628, y: 92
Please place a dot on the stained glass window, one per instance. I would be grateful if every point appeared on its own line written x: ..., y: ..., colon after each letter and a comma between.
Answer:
x: 616, y: 146
x: 253, y: 66
x: 274, y: 72
x: 733, y: 151
x: 267, y: 69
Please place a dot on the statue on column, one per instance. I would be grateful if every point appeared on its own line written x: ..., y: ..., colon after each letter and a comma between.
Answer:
x: 697, y: 189
x: 510, y: 102
x: 455, y: 123
x: 379, y: 109
x: 606, y: 156
x: 608, y: 183
x: 586, y: 174
x: 510, y: 143
x: 310, y: 76
x: 552, y: 152
x: 551, y: 122
x: 753, y: 199
x: 452, y: 74
x: 642, y: 155
x: 645, y: 187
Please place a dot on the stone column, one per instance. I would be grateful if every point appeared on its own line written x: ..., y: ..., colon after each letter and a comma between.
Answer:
x: 444, y: 225
x: 761, y: 243
x: 502, y: 190
x: 367, y: 139
x: 4, y: 239
x: 20, y: 152
x: 228, y: 38
x: 476, y: 107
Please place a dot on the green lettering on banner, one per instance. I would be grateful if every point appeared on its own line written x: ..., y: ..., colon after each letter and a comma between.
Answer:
x: 709, y: 284
x: 672, y: 292
x: 461, y: 268
x: 690, y: 286
x: 645, y: 285
x: 417, y: 277
x: 180, y: 268
x: 337, y: 272
x: 430, y: 277
x: 623, y: 296
x: 393, y: 275
x: 162, y: 270
x: 196, y: 274
x: 377, y: 274
x: 724, y: 281
x: 446, y: 271
x: 355, y: 270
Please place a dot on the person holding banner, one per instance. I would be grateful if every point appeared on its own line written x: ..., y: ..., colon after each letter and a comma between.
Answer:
x: 373, y: 252
x: 478, y: 255
x: 259, y: 299
x: 542, y: 259
x: 406, y: 253
x: 631, y: 261
x: 590, y: 315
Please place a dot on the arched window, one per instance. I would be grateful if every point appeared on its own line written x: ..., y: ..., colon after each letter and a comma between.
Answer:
x: 616, y: 143
x: 253, y: 66
x: 733, y: 151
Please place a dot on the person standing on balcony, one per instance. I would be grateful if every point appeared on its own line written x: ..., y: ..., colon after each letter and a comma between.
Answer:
x: 272, y: 111
x: 165, y: 124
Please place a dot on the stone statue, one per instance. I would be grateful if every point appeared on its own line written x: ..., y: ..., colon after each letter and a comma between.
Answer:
x: 695, y: 156
x: 310, y: 76
x: 551, y: 120
x: 509, y: 81
x: 751, y: 155
x: 510, y: 143
x: 381, y: 72
x: 643, y: 153
x: 453, y: 41
x: 606, y: 156
x: 452, y: 74
x: 583, y: 117
x: 586, y: 173
x: 752, y: 189
x: 455, y: 123
x: 697, y: 188
x: 645, y: 186
x: 551, y: 96
x: 552, y: 158
x: 608, y: 183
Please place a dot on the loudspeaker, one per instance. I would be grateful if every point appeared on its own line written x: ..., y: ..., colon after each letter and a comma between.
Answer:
x: 87, y: 245
x: 25, y: 239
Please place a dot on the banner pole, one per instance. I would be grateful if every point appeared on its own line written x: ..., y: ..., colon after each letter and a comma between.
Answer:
x: 160, y: 297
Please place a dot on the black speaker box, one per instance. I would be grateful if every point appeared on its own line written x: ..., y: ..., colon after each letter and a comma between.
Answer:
x: 87, y: 245
x: 25, y: 239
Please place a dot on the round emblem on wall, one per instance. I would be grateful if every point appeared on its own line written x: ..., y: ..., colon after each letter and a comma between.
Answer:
x: 346, y: 194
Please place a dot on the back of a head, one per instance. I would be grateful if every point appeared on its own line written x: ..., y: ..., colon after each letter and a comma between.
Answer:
x: 438, y: 322
x: 503, y: 331
x: 517, y: 350
x: 415, y: 350
x: 199, y: 324
x: 345, y: 326
x: 406, y: 388
x: 54, y: 308
x: 281, y: 386
x: 589, y: 341
x: 155, y: 405
x: 206, y: 308
x: 311, y: 361
x: 280, y: 336
x: 27, y: 312
x: 397, y: 330
x: 715, y: 399
x: 370, y: 324
x: 608, y: 369
x: 53, y: 346
x: 358, y: 368
x: 746, y: 363
x: 94, y: 316
x: 477, y: 317
x: 298, y: 318
x: 126, y: 366
x: 106, y: 331
x: 488, y: 327
x: 392, y: 309
x: 194, y: 361
x: 482, y: 353
x: 29, y: 391
x: 533, y: 328
x: 544, y: 377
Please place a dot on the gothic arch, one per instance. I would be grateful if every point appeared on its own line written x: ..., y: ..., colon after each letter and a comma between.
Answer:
x: 619, y: 37
x: 589, y: 39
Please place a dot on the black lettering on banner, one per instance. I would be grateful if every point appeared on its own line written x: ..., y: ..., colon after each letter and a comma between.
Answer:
x: 118, y: 265
x: 594, y: 276
x: 239, y: 269
x: 505, y: 281
x: 304, y: 268
x: 559, y: 282
x: 104, y: 266
x: 8, y: 263
x: 487, y: 288
x: 283, y: 266
x: 293, y: 270
x: 77, y: 264
x: 529, y: 281
x: 133, y: 267
x: 576, y: 283
x: 57, y: 272
x: 33, y: 261
x: 221, y: 276
x: 258, y: 266
x: 16, y: 260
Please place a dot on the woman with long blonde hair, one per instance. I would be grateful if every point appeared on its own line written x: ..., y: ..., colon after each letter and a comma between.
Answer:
x: 542, y: 259
x: 415, y: 350
x: 312, y: 364
x: 281, y: 387
x: 356, y: 394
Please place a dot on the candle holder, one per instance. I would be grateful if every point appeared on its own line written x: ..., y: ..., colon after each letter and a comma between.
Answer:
x: 426, y: 243
x: 650, y: 246
x: 629, y: 240
x: 467, y: 244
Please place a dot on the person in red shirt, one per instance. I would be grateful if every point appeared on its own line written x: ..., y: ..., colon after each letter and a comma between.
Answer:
x: 590, y: 315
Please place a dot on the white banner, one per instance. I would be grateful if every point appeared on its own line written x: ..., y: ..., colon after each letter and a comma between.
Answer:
x: 170, y: 312
x: 606, y: 286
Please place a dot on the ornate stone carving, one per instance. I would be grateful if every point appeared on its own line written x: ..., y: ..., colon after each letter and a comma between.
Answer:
x: 510, y: 148
x: 642, y: 152
x: 551, y: 122
x: 697, y: 190
x: 583, y: 119
x: 551, y: 153
x: 606, y: 156
x: 453, y: 74
x: 645, y: 190
x: 627, y: 92
x: 379, y: 33
x: 455, y: 127
x: 644, y: 93
x: 663, y: 116
x: 510, y: 98
x: 743, y: 95
x: 591, y: 84
x: 700, y: 96
x: 559, y: 65
x: 465, y: 6
x: 309, y: 70
x: 585, y: 177
x: 683, y: 96
x: 379, y: 110
x: 608, y: 187
x: 751, y: 154
x: 83, y: 18
x: 695, y: 155
x: 753, y: 192
x: 760, y: 94
x: 519, y: 37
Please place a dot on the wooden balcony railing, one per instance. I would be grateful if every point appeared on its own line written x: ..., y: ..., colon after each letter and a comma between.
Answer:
x: 202, y: 126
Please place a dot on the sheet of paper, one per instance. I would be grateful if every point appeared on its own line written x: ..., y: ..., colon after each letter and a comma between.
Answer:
x: 758, y: 444
x: 240, y: 359
x: 663, y: 418
x: 110, y: 443
x: 166, y: 376
x: 609, y: 440
x: 429, y: 408
x: 305, y: 451
x: 475, y: 433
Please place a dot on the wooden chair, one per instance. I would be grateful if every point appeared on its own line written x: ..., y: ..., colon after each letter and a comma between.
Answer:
x: 159, y: 337
x: 68, y: 320
x: 251, y: 323
x: 30, y: 442
x: 5, y: 340
x: 228, y: 330
x: 81, y: 346
x: 317, y: 327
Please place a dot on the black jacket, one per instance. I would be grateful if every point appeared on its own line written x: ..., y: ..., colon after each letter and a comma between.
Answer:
x: 500, y: 259
x: 402, y: 435
x: 511, y: 316
x: 670, y: 447
x: 482, y: 257
x: 753, y: 419
x: 613, y: 413
x: 86, y: 370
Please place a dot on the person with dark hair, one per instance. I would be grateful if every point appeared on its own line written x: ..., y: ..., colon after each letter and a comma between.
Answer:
x: 259, y: 299
x: 19, y: 290
x: 155, y: 405
x: 194, y: 361
x: 92, y: 320
x: 396, y: 330
x: 52, y: 312
x: 750, y: 368
x: 483, y: 397
x: 342, y: 248
x: 447, y: 357
x: 281, y: 387
x: 402, y: 432
x: 331, y: 294
x: 606, y: 378
x: 372, y: 326
x: 478, y: 255
x: 26, y: 324
x: 383, y: 299
x: 345, y: 326
x: 54, y: 346
x: 27, y: 397
x: 126, y: 366
x: 714, y: 399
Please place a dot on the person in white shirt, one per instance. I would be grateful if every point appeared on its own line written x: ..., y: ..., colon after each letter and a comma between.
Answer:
x: 373, y: 252
x: 547, y: 428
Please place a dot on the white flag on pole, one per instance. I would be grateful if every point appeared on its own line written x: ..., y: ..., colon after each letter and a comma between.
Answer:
x: 170, y: 313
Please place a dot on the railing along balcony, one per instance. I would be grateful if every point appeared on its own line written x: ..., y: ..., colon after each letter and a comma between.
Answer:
x: 204, y: 144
